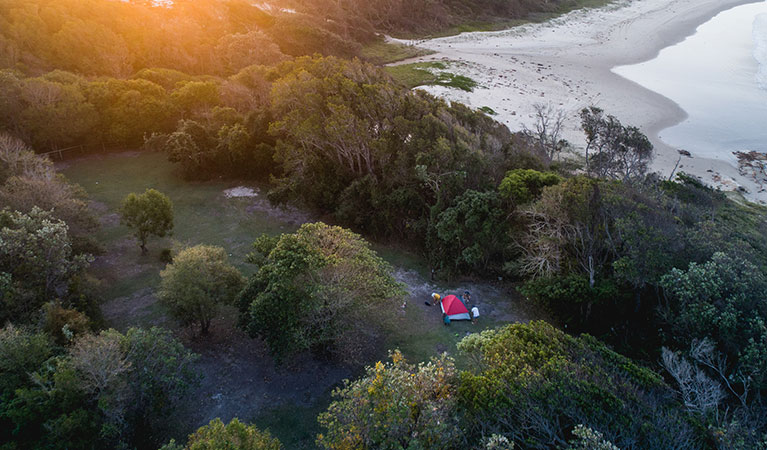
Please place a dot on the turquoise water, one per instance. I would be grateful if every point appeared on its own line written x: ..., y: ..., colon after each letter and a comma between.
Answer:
x: 719, y: 77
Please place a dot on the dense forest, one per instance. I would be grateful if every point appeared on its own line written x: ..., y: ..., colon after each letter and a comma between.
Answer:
x: 656, y: 288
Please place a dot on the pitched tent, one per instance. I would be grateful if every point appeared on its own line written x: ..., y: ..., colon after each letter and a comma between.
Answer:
x: 454, y: 308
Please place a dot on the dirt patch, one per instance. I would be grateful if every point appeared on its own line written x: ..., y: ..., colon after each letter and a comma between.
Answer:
x: 287, y: 214
x: 240, y: 191
x: 500, y: 302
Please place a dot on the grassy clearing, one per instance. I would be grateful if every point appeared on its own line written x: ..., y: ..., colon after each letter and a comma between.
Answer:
x: 433, y: 73
x: 382, y: 53
x: 204, y: 215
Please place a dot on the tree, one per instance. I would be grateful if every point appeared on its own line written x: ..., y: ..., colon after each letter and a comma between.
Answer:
x: 549, y: 123
x: 568, y: 228
x: 21, y: 353
x: 192, y: 97
x: 56, y: 114
x: 233, y: 436
x: 320, y: 289
x: 150, y: 213
x: 182, y: 148
x: 109, y: 390
x: 240, y: 50
x: 36, y: 253
x: 18, y: 160
x: 700, y: 394
x: 395, y: 406
x: 468, y: 235
x: 722, y: 300
x: 28, y: 180
x: 199, y: 279
x: 618, y: 152
x: 163, y: 374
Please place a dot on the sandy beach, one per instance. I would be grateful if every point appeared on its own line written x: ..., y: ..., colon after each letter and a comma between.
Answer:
x: 567, y: 62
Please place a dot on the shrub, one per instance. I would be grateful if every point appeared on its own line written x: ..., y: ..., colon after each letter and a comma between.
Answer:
x: 320, y: 289
x: 197, y: 282
x: 395, y: 405
x: 535, y: 383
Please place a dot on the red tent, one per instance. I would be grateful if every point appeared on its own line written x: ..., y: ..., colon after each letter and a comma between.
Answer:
x: 454, y: 308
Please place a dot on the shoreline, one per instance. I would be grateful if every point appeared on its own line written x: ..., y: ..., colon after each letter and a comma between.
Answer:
x: 567, y: 62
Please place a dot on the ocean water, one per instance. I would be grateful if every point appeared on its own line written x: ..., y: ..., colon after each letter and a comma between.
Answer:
x: 719, y: 77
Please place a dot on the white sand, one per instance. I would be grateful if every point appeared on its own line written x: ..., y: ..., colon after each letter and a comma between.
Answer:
x: 567, y: 62
x: 239, y: 192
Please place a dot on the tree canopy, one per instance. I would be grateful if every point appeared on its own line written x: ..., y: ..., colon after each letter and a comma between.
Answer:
x: 395, y: 405
x: 234, y: 435
x: 150, y: 213
x: 320, y: 289
x: 198, y: 280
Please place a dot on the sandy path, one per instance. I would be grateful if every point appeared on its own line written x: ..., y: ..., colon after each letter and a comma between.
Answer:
x: 567, y: 62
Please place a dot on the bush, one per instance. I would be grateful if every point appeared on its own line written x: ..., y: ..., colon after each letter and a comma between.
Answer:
x: 394, y: 406
x: 572, y: 300
x: 320, y: 289
x: 197, y: 282
x: 535, y: 383
x: 166, y: 256
x: 522, y: 186
x: 233, y: 436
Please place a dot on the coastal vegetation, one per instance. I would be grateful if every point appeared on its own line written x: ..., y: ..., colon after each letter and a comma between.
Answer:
x: 652, y: 289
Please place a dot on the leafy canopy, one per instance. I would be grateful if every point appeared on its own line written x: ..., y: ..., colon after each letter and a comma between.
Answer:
x: 525, y: 185
x: 725, y: 300
x: 36, y: 260
x: 395, y: 406
x: 234, y: 435
x: 150, y: 213
x: 320, y: 289
x: 198, y: 280
x: 535, y: 383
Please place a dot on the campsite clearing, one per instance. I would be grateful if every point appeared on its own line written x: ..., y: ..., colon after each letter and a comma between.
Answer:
x: 239, y: 377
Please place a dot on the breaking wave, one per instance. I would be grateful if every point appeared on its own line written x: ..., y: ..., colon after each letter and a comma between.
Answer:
x: 760, y: 49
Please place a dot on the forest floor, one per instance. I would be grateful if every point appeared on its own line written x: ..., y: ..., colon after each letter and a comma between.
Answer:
x: 239, y: 377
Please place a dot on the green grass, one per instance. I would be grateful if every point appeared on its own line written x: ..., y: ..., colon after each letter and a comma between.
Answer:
x: 202, y: 213
x: 429, y: 73
x: 411, y: 75
x: 382, y: 53
x: 461, y: 82
x: 488, y: 110
x: 202, y: 216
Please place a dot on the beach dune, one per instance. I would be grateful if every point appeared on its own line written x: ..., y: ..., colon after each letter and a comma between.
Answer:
x: 567, y: 62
